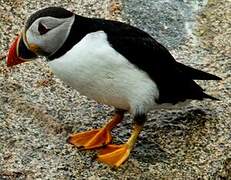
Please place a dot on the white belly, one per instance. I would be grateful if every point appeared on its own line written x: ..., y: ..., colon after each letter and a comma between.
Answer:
x: 96, y: 70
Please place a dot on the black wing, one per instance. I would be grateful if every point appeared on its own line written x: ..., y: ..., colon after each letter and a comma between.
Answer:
x: 174, y: 82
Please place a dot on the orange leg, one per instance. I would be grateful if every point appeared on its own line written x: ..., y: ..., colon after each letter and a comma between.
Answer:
x: 115, y: 155
x: 97, y: 137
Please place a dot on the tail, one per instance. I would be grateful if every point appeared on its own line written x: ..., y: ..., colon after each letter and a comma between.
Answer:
x: 196, y: 74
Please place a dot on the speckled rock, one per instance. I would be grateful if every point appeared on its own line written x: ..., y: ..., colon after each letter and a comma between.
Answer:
x: 38, y: 111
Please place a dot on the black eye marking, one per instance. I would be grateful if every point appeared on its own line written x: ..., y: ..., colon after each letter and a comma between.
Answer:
x: 42, y: 29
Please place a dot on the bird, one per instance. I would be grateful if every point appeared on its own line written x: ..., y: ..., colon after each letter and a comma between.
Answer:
x: 113, y: 63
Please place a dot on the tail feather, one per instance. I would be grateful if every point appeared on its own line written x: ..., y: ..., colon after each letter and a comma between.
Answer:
x: 196, y: 74
x: 209, y: 97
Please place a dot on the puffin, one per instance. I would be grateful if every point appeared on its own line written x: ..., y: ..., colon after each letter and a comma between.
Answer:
x: 113, y: 63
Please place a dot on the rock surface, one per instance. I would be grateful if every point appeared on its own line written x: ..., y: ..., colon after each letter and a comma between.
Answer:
x: 38, y: 111
x: 168, y: 21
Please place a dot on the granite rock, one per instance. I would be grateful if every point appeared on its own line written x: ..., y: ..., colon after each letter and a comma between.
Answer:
x: 38, y: 111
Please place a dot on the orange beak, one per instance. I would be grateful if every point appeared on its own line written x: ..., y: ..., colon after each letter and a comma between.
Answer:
x: 12, y: 58
x: 19, y: 53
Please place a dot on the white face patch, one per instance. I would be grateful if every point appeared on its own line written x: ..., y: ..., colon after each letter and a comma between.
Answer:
x: 96, y: 70
x: 51, y: 41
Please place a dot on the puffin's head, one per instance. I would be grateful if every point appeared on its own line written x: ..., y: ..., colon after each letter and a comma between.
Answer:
x: 44, y: 33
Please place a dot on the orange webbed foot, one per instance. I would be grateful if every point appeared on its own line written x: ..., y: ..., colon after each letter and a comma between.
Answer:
x: 114, y: 155
x: 97, y: 137
x: 91, y: 139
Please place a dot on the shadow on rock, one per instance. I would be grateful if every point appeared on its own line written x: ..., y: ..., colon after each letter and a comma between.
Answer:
x: 181, y: 121
x: 171, y: 131
x: 150, y: 152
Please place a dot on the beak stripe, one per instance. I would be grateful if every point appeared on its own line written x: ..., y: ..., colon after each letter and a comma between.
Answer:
x: 23, y: 51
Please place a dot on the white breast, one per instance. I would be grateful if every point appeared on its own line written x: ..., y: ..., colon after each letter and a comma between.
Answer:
x: 96, y: 70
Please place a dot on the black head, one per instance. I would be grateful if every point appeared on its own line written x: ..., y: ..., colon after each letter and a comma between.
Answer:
x: 56, y: 12
x: 44, y: 33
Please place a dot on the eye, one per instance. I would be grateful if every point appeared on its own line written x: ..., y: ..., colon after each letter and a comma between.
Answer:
x: 42, y: 29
